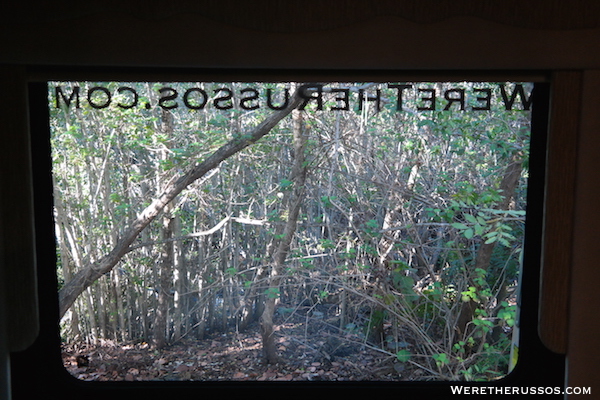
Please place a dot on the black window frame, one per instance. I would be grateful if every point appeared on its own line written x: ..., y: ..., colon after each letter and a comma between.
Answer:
x: 40, y: 365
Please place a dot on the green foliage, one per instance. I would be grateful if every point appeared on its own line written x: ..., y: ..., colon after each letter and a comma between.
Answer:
x: 462, y: 347
x: 285, y: 184
x: 470, y: 294
x: 327, y: 201
x: 507, y: 314
x: 490, y: 225
x: 404, y: 284
x: 272, y: 293
x: 441, y: 359
x: 326, y: 244
x: 403, y: 355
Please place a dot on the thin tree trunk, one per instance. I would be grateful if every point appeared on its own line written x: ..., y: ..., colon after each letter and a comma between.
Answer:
x: 89, y: 303
x: 101, y: 295
x: 298, y: 177
x: 113, y: 315
x: 178, y: 278
x: 165, y: 280
x: 159, y: 337
x: 123, y: 331
x: 92, y: 271
x: 65, y: 261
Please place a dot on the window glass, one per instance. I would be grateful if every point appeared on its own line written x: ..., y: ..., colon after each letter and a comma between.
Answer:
x: 351, y: 230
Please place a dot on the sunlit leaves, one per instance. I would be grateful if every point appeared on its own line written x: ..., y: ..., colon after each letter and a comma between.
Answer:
x: 441, y: 359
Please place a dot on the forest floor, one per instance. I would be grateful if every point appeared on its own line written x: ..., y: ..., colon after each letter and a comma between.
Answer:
x: 319, y: 355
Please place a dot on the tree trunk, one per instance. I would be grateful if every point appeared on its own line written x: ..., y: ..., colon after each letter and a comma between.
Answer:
x: 178, y: 282
x: 94, y: 270
x: 159, y: 338
x: 65, y: 261
x: 298, y: 177
x: 484, y: 254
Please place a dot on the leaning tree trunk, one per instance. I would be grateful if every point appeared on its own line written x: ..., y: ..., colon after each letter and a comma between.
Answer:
x: 298, y: 177
x: 94, y: 270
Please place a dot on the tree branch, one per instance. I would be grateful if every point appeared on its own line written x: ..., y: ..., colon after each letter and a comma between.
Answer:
x: 94, y: 270
x: 217, y: 227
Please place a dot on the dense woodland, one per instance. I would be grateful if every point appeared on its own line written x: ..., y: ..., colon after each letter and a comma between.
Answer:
x: 396, y: 228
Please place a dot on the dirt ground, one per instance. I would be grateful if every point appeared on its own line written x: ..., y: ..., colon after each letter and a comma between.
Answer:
x: 320, y: 355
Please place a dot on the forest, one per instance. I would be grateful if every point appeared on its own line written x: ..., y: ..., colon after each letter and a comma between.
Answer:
x: 289, y: 231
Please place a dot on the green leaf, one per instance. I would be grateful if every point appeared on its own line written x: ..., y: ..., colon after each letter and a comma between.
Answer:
x: 504, y: 242
x: 491, y: 240
x: 508, y: 236
x: 403, y: 355
x: 469, y: 233
x: 460, y: 226
x: 285, y: 183
x: 478, y: 229
x: 471, y: 218
x: 272, y: 293
x: 441, y: 359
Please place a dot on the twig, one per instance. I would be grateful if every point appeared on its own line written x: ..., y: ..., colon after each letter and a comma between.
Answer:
x: 246, y: 221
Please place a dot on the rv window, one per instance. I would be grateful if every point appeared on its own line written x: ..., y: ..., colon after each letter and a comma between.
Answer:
x: 366, y: 231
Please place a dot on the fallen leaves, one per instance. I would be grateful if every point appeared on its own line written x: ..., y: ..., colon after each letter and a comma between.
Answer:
x: 233, y: 357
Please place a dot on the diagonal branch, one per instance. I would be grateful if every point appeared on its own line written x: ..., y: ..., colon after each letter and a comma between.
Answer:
x: 94, y: 270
